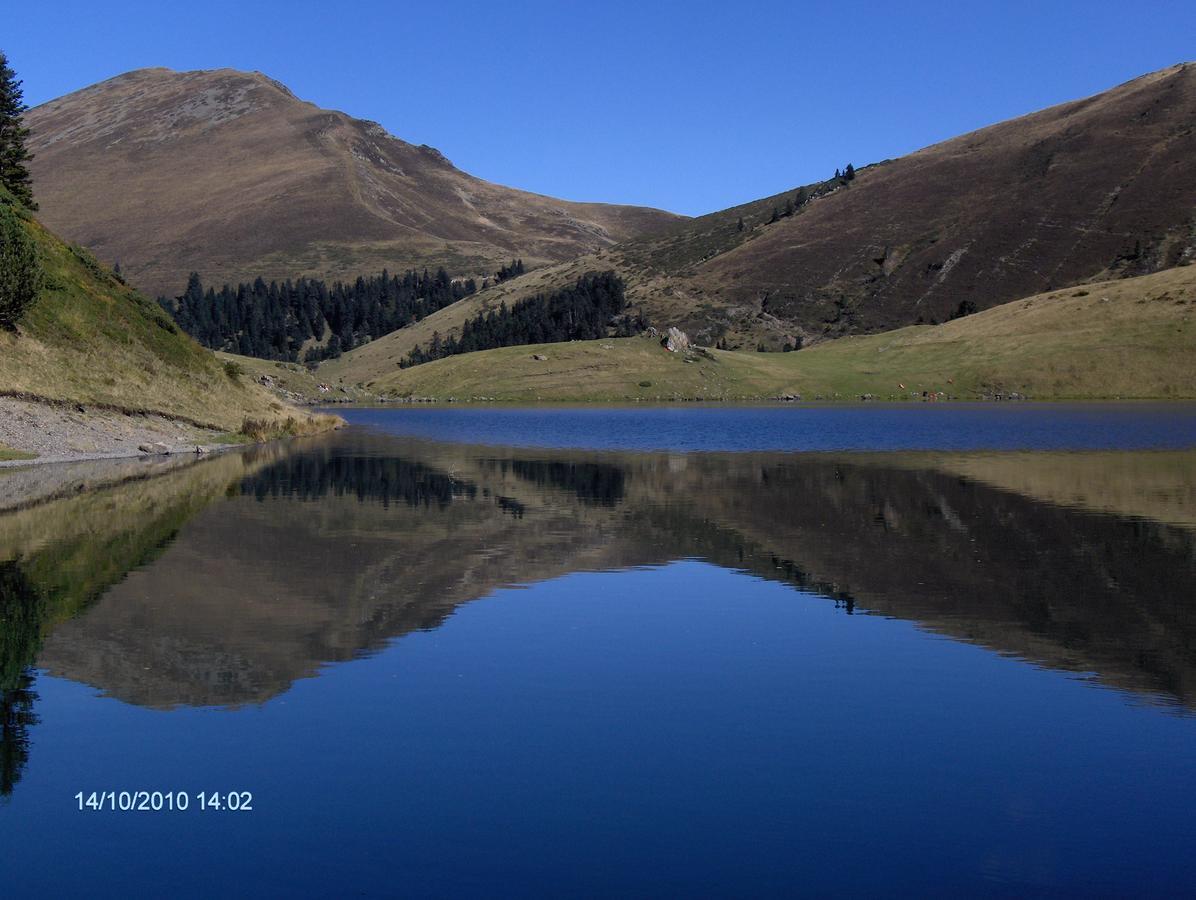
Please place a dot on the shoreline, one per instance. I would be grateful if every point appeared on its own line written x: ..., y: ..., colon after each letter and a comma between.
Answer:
x: 74, y: 434
x: 199, y: 452
x: 41, y: 433
x: 25, y: 485
x: 37, y: 432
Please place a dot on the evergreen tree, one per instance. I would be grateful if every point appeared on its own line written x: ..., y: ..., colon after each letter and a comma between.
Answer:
x: 739, y: 224
x: 20, y: 268
x: 849, y: 172
x: 14, y: 174
x: 514, y: 270
x: 194, y: 292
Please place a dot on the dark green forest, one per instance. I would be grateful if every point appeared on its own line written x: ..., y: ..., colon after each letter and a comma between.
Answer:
x: 273, y: 321
x: 595, y: 307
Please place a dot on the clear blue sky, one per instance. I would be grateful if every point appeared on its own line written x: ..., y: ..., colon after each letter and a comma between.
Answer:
x: 689, y: 106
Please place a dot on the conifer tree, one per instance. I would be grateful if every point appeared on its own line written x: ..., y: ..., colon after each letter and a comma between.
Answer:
x: 13, y: 155
x: 20, y: 269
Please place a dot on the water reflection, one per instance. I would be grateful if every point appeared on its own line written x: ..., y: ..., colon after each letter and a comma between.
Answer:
x: 221, y: 583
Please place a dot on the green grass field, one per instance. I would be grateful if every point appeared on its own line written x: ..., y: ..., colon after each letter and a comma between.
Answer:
x: 1132, y: 338
x: 92, y: 341
x: 7, y: 454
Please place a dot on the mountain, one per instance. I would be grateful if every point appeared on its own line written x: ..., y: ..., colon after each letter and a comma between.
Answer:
x: 91, y: 344
x: 229, y: 174
x: 1098, y: 188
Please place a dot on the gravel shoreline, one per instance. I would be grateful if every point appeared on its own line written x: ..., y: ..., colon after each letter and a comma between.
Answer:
x: 58, y: 434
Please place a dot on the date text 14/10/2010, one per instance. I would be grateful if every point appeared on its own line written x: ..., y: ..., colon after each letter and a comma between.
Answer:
x: 165, y: 801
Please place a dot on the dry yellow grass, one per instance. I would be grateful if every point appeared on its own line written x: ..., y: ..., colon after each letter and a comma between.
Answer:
x: 1132, y: 338
x: 1159, y: 486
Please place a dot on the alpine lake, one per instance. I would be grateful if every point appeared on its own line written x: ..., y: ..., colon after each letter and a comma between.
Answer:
x: 917, y: 650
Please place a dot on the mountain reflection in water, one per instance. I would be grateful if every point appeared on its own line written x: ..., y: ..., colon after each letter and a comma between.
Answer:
x: 752, y: 607
x: 331, y: 549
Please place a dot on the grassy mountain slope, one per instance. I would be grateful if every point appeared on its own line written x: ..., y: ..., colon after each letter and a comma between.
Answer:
x: 229, y: 174
x: 650, y: 268
x: 1126, y: 338
x: 91, y: 340
x: 1097, y: 188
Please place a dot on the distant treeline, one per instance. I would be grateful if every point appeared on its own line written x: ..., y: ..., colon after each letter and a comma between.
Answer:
x: 595, y: 307
x: 272, y: 321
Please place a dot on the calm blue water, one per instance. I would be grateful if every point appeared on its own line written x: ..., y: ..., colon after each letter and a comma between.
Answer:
x: 461, y: 669
x: 907, y: 426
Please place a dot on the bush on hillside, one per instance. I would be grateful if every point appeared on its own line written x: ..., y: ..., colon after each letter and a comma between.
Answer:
x: 965, y: 308
x: 20, y: 269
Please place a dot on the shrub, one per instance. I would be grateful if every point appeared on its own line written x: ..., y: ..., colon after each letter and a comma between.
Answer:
x: 233, y: 369
x: 20, y: 269
x: 262, y: 430
x: 965, y: 308
x: 90, y: 263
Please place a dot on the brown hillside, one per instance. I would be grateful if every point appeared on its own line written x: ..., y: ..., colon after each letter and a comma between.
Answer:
x: 1105, y: 185
x: 229, y: 174
x: 1090, y: 190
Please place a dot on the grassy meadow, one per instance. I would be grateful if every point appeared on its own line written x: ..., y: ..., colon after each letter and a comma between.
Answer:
x: 1132, y: 338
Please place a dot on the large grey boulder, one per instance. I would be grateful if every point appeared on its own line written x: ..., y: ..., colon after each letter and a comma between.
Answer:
x: 675, y: 340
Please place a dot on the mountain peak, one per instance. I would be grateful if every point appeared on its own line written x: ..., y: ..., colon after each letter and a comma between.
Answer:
x: 228, y: 173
